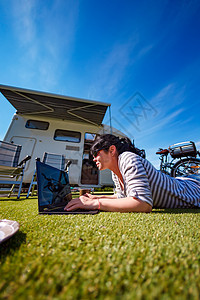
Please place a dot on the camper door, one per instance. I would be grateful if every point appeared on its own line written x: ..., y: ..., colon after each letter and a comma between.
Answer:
x: 89, y: 172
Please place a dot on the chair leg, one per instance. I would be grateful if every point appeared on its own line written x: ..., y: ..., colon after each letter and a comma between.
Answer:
x: 19, y: 190
x: 20, y: 186
x: 31, y: 186
x: 29, y: 189
x: 33, y: 189
x: 11, y: 190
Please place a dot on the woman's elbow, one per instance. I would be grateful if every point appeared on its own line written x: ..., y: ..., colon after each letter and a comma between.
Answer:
x: 148, y: 208
x: 143, y: 206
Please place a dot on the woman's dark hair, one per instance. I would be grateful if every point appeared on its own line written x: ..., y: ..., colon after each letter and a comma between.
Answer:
x: 104, y: 141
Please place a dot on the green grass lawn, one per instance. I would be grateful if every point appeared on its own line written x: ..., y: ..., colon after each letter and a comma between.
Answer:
x: 103, y: 256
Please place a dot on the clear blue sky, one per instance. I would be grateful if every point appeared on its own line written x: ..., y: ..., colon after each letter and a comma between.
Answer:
x: 143, y: 57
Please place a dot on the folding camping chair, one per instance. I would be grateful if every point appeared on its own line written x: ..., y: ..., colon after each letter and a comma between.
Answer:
x: 11, y: 171
x: 54, y: 160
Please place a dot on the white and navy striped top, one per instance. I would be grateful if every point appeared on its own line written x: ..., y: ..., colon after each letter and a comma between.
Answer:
x: 144, y: 182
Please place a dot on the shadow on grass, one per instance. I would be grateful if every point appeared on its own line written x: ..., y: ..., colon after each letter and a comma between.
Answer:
x: 11, y: 245
x: 176, y: 211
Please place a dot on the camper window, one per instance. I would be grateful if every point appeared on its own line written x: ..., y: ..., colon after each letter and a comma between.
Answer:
x: 67, y: 136
x: 34, y: 124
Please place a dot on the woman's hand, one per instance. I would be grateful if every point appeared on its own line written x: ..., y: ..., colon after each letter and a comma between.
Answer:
x: 83, y: 202
x: 91, y: 196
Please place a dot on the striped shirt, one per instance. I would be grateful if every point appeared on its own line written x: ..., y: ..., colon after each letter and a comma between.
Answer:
x: 142, y: 181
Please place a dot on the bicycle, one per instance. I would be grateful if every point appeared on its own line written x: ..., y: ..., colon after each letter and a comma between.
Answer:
x: 184, y: 161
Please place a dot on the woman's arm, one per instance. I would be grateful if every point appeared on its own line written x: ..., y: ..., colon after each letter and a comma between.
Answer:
x: 114, y: 196
x: 128, y: 204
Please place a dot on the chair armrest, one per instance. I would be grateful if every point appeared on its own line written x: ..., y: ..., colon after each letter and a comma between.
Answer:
x: 67, y: 165
x: 28, y: 157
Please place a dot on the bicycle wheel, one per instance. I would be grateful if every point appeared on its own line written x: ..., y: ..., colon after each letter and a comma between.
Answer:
x: 185, y: 167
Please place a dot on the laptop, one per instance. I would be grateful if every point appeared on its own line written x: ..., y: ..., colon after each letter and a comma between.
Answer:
x: 54, y: 191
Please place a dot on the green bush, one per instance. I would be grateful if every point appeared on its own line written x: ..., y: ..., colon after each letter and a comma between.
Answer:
x: 103, y: 256
x: 104, y: 189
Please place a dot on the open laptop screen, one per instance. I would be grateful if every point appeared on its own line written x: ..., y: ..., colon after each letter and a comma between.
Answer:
x: 53, y: 185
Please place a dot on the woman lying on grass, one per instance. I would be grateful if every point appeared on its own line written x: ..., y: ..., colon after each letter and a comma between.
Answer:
x: 139, y: 186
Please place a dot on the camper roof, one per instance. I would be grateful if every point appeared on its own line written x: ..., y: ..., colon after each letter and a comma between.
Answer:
x: 55, y: 106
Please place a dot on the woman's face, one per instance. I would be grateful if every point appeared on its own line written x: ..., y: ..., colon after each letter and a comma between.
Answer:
x: 103, y: 160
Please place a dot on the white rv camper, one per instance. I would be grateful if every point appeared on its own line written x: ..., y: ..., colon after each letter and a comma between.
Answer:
x: 61, y: 125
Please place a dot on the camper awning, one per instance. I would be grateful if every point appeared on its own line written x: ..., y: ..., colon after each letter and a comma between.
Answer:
x: 55, y: 106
